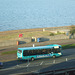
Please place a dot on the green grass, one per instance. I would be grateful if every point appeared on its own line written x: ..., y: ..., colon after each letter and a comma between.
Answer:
x: 8, y: 37
x: 68, y: 46
x: 63, y: 47
x: 8, y: 52
x: 25, y: 35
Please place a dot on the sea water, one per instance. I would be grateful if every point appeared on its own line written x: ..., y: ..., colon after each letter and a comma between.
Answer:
x: 27, y: 14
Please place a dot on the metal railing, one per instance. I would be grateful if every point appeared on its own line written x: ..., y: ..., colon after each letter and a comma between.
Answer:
x: 68, y: 71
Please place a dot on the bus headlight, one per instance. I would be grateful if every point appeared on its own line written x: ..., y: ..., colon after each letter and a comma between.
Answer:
x: 59, y: 53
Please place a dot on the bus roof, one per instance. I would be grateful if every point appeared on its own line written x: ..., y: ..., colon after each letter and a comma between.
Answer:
x: 33, y: 48
x: 38, y: 47
x: 53, y: 45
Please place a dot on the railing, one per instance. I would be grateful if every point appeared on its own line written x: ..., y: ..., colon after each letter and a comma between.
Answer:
x: 68, y: 71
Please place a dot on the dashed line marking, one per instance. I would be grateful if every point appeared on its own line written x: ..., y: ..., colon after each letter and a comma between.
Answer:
x: 41, y: 63
x: 28, y: 65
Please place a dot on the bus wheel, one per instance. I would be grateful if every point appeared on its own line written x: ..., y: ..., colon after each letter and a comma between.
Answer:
x: 32, y: 59
x: 54, y: 56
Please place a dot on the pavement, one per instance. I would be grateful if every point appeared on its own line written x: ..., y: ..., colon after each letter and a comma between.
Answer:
x: 61, y: 42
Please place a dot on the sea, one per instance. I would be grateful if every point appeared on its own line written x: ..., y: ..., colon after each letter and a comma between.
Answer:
x: 28, y: 14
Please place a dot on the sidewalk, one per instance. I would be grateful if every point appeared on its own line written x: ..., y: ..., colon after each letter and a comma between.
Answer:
x: 61, y: 42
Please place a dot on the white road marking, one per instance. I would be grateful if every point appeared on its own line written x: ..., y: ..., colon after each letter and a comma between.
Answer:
x: 28, y: 65
x: 41, y: 63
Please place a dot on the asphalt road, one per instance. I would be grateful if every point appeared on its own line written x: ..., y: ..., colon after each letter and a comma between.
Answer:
x: 14, y: 67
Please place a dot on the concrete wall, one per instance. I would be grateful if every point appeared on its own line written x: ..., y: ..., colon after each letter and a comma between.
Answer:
x: 55, y: 37
x: 27, y: 40
x: 14, y: 42
x: 8, y: 43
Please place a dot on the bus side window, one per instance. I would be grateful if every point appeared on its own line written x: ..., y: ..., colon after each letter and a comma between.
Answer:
x: 34, y: 52
x: 44, y: 51
x: 25, y: 53
x: 53, y: 50
x: 48, y: 51
x: 31, y: 52
x: 38, y: 52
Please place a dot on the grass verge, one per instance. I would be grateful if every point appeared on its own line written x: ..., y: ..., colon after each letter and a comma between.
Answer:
x: 8, y: 52
x: 63, y: 47
x: 68, y: 46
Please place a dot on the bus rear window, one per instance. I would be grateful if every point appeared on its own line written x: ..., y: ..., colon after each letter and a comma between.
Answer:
x: 19, y: 51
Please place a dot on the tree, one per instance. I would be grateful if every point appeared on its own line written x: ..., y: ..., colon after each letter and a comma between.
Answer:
x: 72, y: 31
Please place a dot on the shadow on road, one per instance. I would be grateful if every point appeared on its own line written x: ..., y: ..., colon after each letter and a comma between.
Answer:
x: 10, y: 64
x: 60, y: 68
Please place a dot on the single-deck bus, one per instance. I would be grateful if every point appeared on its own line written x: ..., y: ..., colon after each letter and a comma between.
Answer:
x: 53, y: 50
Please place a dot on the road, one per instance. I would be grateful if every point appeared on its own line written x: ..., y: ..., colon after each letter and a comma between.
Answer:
x: 16, y: 66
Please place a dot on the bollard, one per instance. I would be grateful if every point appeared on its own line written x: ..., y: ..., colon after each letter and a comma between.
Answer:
x: 66, y: 59
x: 33, y: 45
x: 17, y: 42
x: 54, y: 61
x: 43, y: 30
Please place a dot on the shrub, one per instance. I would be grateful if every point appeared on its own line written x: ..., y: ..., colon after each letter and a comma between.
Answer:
x: 51, y: 34
x: 72, y: 31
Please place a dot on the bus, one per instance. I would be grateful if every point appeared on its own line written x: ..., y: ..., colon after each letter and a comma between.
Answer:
x: 31, y: 53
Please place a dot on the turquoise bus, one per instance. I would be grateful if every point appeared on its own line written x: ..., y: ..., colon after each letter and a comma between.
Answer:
x: 53, y: 50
